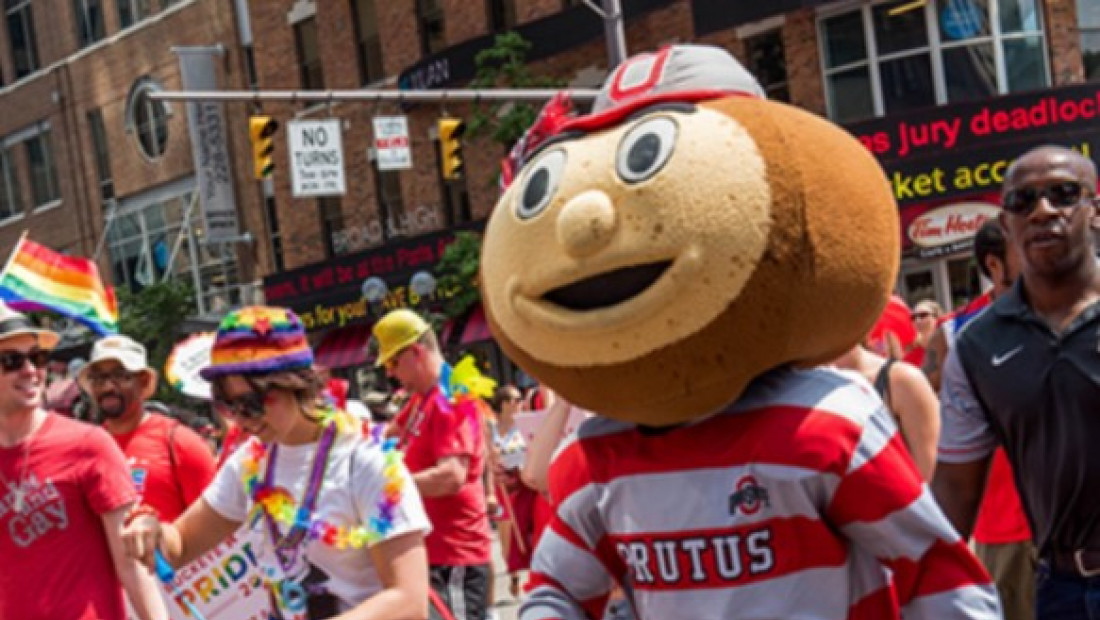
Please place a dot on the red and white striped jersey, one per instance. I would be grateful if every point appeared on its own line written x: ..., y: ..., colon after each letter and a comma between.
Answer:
x: 792, y: 503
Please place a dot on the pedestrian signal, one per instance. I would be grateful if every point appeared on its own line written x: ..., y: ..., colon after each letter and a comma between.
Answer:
x: 450, y: 148
x: 261, y: 131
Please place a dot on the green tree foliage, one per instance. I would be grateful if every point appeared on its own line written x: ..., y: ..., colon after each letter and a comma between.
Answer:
x: 457, y: 271
x: 153, y: 317
x: 504, y: 65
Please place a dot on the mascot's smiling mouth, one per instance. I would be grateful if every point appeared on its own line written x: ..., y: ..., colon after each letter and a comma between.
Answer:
x: 607, y: 289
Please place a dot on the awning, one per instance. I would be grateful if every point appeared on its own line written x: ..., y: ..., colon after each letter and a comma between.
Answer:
x: 343, y: 347
x: 477, y: 328
x: 474, y: 329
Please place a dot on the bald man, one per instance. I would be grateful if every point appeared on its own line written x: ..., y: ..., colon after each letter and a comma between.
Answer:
x: 1026, y: 375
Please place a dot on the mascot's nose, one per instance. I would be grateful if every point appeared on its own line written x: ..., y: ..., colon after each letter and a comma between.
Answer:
x: 587, y: 223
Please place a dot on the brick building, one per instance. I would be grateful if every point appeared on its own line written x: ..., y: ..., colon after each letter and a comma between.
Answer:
x: 88, y: 162
x: 931, y: 86
x: 884, y: 69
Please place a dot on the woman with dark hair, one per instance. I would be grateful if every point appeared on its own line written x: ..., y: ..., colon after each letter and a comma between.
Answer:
x: 333, y: 514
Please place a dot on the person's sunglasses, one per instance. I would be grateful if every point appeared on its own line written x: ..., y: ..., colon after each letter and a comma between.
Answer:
x: 395, y: 358
x: 249, y: 405
x: 1061, y: 195
x: 12, y: 361
x: 920, y: 315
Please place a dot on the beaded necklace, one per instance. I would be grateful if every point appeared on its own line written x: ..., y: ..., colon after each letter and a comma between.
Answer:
x: 278, y: 506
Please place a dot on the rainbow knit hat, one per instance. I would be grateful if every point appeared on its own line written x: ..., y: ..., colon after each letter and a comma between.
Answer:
x: 258, y: 340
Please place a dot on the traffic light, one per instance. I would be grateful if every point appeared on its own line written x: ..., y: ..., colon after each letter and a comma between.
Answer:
x: 450, y: 147
x: 261, y: 130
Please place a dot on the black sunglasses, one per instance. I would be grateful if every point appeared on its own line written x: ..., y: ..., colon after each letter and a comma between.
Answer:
x: 12, y: 361
x: 1061, y: 195
x: 249, y: 405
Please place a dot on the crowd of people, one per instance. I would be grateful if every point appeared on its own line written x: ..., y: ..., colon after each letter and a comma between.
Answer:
x: 996, y: 396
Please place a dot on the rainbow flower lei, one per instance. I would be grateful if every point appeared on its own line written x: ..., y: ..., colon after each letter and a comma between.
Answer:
x: 279, y: 504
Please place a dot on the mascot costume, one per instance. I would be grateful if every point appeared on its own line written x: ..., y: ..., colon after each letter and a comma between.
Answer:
x: 677, y: 261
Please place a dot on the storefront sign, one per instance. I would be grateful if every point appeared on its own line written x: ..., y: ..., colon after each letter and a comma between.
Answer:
x: 316, y: 158
x: 391, y: 143
x: 951, y: 151
x: 329, y: 294
x: 551, y: 35
x: 950, y: 228
x: 714, y: 15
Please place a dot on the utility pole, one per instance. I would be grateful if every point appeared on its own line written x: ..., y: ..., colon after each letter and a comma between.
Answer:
x: 615, y: 33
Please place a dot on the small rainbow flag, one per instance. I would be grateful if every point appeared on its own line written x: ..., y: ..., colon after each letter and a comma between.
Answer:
x: 37, y: 278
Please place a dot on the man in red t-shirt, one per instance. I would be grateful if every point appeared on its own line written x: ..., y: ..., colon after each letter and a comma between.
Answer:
x: 170, y: 464
x: 64, y: 495
x: 444, y: 450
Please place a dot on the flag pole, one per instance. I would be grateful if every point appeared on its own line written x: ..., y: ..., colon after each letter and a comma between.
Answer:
x: 14, y: 251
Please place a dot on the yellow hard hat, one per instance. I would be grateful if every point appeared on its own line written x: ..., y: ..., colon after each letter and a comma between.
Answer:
x: 395, y: 331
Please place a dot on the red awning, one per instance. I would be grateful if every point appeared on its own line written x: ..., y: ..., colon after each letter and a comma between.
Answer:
x: 477, y: 328
x: 343, y: 347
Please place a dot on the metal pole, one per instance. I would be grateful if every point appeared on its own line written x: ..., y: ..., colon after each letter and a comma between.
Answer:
x: 614, y: 32
x: 400, y: 96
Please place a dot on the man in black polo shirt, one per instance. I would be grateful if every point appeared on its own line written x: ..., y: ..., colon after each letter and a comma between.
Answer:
x: 1026, y: 375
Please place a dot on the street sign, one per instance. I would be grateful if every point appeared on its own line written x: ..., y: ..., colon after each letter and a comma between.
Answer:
x: 316, y: 158
x: 391, y: 143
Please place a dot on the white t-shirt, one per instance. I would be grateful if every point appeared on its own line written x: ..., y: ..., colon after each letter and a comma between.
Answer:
x: 349, y: 496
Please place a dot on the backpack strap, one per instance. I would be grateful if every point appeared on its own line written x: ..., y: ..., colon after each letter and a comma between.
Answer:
x: 882, y: 384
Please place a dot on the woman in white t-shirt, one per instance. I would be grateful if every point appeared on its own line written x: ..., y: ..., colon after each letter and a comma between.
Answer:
x: 334, y: 517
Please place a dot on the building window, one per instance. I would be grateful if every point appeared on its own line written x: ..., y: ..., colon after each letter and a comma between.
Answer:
x: 131, y: 12
x: 147, y: 119
x: 901, y: 55
x: 309, y: 55
x: 368, y: 41
x: 11, y: 202
x: 44, y: 189
x: 24, y: 49
x: 102, y: 155
x: 148, y: 242
x: 332, y: 224
x: 392, y: 205
x: 276, y: 235
x: 1088, y: 19
x: 768, y: 63
x: 89, y: 21
x: 501, y: 14
x: 429, y: 14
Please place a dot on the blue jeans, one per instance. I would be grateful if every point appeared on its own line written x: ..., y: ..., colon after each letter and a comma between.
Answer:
x: 1060, y: 596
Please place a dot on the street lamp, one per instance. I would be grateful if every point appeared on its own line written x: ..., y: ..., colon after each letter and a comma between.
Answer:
x: 374, y: 289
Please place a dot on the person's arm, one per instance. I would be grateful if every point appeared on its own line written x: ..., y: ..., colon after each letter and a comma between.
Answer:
x: 446, y: 477
x: 402, y: 565
x: 918, y: 410
x: 139, y: 584
x: 194, y: 533
x: 570, y: 579
x: 934, y: 355
x: 536, y: 468
x: 882, y: 506
x: 966, y: 447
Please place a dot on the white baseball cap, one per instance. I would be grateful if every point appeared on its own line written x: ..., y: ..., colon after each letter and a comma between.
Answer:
x: 123, y: 349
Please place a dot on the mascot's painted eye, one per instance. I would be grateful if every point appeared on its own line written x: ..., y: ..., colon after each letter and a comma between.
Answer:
x: 646, y: 149
x: 540, y: 185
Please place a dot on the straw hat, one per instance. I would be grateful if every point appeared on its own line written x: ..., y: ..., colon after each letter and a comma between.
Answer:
x: 14, y: 324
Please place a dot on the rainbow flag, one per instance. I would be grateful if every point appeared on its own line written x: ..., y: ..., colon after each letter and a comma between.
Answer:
x: 37, y: 278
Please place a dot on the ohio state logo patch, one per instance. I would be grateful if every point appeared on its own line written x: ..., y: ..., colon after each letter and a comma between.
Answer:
x: 748, y: 497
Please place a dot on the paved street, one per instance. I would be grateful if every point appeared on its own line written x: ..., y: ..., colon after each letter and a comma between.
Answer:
x: 506, y: 607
